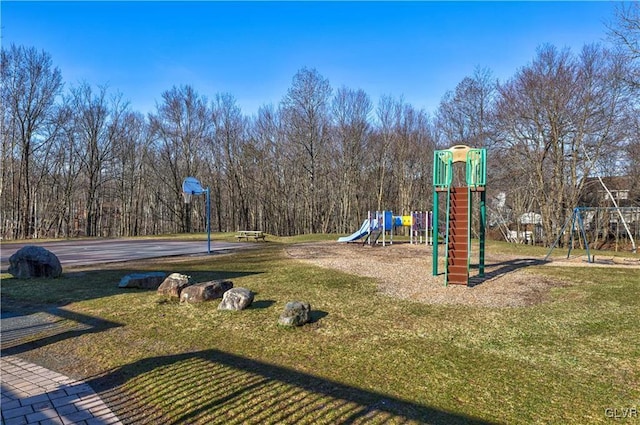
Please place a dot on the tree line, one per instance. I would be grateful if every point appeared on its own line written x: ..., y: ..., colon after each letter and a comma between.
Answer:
x: 78, y: 161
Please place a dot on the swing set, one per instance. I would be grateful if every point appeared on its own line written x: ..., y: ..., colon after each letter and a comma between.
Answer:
x: 601, y: 222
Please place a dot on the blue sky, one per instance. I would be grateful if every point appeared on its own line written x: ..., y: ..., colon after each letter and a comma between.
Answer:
x: 417, y: 50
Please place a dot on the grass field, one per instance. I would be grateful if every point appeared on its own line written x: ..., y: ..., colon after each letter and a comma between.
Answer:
x: 366, y: 358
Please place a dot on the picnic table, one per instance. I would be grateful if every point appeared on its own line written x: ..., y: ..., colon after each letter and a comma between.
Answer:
x: 251, y: 234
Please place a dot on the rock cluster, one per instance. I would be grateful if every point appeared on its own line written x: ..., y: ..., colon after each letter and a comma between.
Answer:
x: 176, y: 285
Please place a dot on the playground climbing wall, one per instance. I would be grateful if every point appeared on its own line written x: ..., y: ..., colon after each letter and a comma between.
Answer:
x: 458, y: 246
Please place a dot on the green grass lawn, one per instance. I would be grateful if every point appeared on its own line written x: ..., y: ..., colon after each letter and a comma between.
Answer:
x: 366, y: 358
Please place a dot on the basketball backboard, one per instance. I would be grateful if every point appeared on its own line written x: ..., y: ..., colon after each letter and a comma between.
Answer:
x: 192, y: 186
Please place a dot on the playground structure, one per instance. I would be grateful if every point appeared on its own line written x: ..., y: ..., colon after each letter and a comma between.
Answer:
x: 458, y: 210
x: 459, y: 199
x: 379, y: 223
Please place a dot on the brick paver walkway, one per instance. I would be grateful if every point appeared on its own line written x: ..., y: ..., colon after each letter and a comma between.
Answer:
x: 34, y: 395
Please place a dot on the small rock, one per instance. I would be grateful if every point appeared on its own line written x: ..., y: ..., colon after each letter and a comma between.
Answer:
x: 150, y: 280
x: 205, y: 291
x: 34, y: 261
x: 236, y: 299
x: 296, y: 313
x: 173, y: 285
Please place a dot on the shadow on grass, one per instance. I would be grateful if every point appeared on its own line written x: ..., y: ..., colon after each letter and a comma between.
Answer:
x: 32, y: 309
x: 212, y: 386
x: 262, y: 304
x: 197, y: 276
x: 316, y: 315
x: 25, y: 331
x: 504, y: 267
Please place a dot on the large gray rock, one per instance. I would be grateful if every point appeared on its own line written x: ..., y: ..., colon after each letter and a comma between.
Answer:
x: 34, y: 261
x: 173, y: 285
x: 149, y: 280
x: 296, y: 313
x: 236, y: 299
x: 205, y: 291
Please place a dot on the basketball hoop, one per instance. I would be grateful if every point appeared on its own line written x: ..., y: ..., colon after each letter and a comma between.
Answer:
x: 186, y: 196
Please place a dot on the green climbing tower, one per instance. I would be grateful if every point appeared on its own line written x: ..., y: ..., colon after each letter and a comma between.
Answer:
x: 459, y: 207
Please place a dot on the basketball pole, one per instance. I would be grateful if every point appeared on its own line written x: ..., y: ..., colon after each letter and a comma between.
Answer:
x: 190, y: 187
x: 208, y: 202
x: 208, y: 221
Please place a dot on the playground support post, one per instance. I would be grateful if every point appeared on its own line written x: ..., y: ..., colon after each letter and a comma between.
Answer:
x: 370, y: 218
x: 421, y: 222
x: 384, y: 228
x: 483, y: 224
x: 435, y: 233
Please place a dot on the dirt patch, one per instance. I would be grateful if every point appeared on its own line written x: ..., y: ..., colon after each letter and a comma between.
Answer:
x: 405, y: 271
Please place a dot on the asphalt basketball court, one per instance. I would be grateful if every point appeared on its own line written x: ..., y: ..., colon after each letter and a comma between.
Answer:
x: 86, y: 252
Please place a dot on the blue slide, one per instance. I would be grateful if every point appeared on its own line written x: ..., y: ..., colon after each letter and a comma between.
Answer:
x: 364, y: 230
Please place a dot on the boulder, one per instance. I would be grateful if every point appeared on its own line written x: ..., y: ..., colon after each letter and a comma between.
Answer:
x: 150, y: 280
x: 236, y: 299
x: 205, y: 291
x: 296, y: 313
x: 34, y: 261
x: 173, y: 285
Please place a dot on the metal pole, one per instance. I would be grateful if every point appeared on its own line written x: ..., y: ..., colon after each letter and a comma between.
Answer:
x: 370, y: 227
x: 208, y: 222
x: 573, y: 226
x: 384, y: 229
x: 584, y: 234
x: 557, y: 239
x: 411, y: 229
x: 391, y: 230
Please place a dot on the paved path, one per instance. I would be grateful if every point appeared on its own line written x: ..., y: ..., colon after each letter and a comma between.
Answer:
x: 34, y: 395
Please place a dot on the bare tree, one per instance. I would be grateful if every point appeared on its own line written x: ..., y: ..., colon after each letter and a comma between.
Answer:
x: 388, y: 113
x: 129, y: 167
x: 44, y: 188
x: 351, y: 110
x: 305, y: 109
x: 465, y: 114
x: 625, y: 32
x: 274, y: 173
x: 30, y: 85
x: 552, y: 111
x: 98, y: 124
x: 180, y: 130
x: 230, y: 136
x: 413, y: 157
x: 65, y: 174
